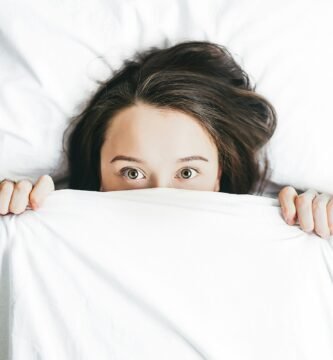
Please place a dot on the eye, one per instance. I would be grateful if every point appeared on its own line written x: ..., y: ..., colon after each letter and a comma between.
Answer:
x: 132, y: 173
x: 186, y: 173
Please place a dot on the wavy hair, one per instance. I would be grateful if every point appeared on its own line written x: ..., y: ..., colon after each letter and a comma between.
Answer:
x: 199, y: 78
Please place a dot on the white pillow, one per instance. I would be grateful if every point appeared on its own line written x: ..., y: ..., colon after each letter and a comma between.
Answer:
x: 52, y: 53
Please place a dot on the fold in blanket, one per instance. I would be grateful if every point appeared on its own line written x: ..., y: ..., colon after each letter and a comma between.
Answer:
x: 162, y: 273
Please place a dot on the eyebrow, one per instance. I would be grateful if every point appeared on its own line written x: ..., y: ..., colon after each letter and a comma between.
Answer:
x: 130, y: 158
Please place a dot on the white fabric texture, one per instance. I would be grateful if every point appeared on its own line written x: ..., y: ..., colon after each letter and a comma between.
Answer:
x: 163, y: 274
x: 52, y: 52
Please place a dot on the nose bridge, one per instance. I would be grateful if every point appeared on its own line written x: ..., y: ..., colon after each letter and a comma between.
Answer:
x: 161, y: 180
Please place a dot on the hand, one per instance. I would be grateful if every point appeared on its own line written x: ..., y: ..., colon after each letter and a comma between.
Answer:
x: 15, y: 197
x: 312, y: 210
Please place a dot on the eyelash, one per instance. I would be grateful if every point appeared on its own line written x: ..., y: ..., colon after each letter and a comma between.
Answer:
x: 122, y: 172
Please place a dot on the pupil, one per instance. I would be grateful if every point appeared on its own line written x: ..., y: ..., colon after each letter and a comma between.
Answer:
x: 186, y: 171
x: 131, y: 172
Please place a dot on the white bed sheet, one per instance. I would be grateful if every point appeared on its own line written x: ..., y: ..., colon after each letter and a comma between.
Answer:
x: 53, y: 52
x: 162, y: 273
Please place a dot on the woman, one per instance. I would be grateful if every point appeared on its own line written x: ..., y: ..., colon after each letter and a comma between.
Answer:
x: 184, y: 117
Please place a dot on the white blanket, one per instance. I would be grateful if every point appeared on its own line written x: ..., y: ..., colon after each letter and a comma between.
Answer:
x: 162, y: 273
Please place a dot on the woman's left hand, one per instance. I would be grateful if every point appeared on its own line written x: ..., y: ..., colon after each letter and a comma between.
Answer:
x: 314, y: 211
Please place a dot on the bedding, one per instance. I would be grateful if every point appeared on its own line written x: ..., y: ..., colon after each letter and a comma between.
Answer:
x: 54, y: 52
x: 162, y: 273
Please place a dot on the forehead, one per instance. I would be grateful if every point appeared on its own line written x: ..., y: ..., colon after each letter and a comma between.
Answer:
x: 141, y: 128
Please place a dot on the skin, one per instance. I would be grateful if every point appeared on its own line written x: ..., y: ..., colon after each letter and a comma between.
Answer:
x: 16, y: 197
x: 159, y: 138
x: 313, y: 211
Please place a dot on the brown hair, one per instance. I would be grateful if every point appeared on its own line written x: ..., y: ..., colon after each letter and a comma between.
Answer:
x: 200, y: 78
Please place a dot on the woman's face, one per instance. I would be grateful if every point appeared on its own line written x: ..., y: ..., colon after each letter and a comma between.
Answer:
x: 147, y: 147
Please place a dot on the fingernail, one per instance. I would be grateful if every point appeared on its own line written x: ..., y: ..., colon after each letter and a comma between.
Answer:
x: 324, y: 235
x: 290, y: 221
x: 34, y: 205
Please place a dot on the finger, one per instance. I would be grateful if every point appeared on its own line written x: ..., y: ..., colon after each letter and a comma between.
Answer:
x: 6, y: 190
x: 319, y: 209
x: 287, y: 197
x: 44, y: 185
x: 304, y: 209
x: 330, y: 214
x: 20, y: 196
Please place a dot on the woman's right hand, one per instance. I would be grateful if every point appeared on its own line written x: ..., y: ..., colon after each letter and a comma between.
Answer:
x: 16, y: 197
